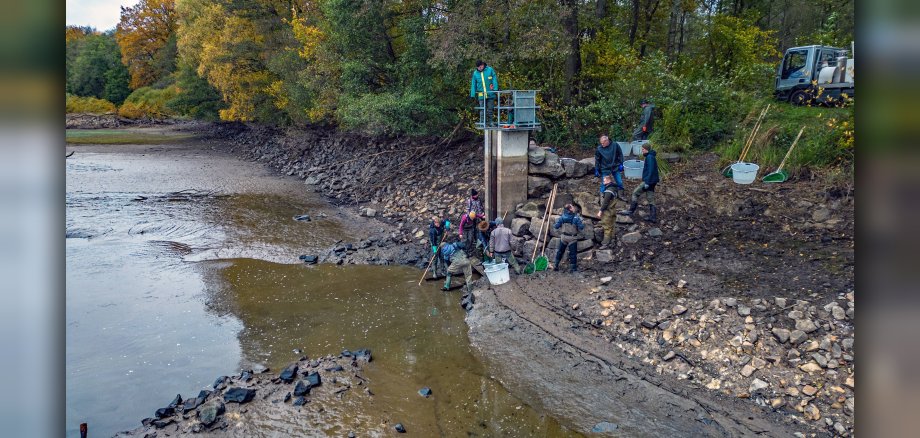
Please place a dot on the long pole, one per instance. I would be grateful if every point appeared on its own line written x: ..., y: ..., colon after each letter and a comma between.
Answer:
x: 549, y: 206
x: 546, y: 234
x: 747, y: 147
x: 789, y: 152
x: 432, y: 258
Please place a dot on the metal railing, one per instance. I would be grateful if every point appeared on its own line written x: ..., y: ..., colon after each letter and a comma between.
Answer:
x: 512, y: 110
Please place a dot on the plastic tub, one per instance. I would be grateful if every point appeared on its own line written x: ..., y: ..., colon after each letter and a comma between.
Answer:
x: 744, y: 173
x: 625, y: 147
x: 632, y: 169
x: 497, y: 273
x: 637, y: 147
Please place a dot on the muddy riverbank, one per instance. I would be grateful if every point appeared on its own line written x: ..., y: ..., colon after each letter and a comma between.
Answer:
x: 743, y: 296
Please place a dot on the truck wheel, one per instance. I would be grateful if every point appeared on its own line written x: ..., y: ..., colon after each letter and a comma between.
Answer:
x: 800, y: 98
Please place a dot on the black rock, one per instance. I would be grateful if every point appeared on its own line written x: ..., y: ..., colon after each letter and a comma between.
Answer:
x: 159, y: 424
x: 204, y: 394
x: 400, y: 428
x: 147, y: 421
x: 219, y: 383
x: 287, y: 397
x: 302, y: 388
x: 176, y: 401
x: 208, y: 413
x: 246, y: 376
x: 313, y: 379
x: 309, y: 259
x: 363, y: 354
x: 648, y: 324
x: 288, y: 374
x: 239, y: 395
x: 303, y: 218
x: 165, y: 412
x: 349, y: 247
x: 300, y: 401
x: 335, y: 368
x: 191, y: 404
x: 425, y: 392
x: 346, y: 353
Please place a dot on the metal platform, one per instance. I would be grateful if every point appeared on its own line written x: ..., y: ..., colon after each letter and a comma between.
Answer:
x: 515, y: 110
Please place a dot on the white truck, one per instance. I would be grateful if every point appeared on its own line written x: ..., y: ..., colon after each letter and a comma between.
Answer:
x: 815, y: 75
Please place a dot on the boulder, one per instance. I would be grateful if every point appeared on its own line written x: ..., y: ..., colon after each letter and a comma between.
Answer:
x: 517, y: 244
x: 538, y: 186
x: 589, y: 163
x: 302, y: 388
x: 520, y: 226
x: 309, y: 259
x: 536, y: 155
x: 528, y: 210
x: 584, y: 245
x: 239, y: 395
x: 604, y: 255
x: 288, y: 374
x: 631, y: 238
x: 370, y: 212
x: 208, y: 413
x: 550, y: 167
x: 313, y: 378
x: 574, y: 168
x: 588, y: 203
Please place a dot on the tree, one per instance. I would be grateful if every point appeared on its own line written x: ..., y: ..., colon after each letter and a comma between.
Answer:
x: 146, y: 37
x: 96, y: 61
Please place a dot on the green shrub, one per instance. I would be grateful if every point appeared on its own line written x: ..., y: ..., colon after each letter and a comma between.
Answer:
x: 411, y: 113
x: 92, y: 105
x: 148, y: 102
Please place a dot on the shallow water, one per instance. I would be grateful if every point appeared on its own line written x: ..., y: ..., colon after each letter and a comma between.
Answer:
x: 178, y: 271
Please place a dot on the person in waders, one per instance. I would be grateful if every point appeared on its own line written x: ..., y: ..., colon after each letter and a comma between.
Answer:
x: 436, y: 232
x: 644, y: 130
x: 500, y: 246
x: 647, y: 186
x: 454, y: 255
x: 483, y: 85
x: 469, y: 233
x: 607, y: 214
x: 570, y: 224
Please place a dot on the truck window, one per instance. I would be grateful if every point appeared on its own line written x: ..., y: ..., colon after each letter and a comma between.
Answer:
x: 794, y: 64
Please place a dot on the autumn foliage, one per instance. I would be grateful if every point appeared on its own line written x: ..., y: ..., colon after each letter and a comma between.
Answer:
x: 145, y: 34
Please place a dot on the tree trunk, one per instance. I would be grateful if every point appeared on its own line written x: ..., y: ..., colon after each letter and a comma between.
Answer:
x: 573, y: 58
x: 634, y: 24
x: 600, y: 10
x: 649, y: 14
x: 672, y: 29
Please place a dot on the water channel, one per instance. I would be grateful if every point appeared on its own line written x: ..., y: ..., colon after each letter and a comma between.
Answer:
x: 182, y: 266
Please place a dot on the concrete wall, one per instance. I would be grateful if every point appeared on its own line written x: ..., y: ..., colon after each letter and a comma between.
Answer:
x: 506, y: 168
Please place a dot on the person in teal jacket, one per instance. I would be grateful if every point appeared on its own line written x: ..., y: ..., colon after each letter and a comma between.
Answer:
x: 483, y: 85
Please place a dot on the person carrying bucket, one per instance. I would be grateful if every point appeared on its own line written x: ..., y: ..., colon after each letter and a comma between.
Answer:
x: 571, y: 225
x: 649, y: 181
x: 454, y: 255
x: 608, y: 160
x: 500, y: 246
x: 606, y: 213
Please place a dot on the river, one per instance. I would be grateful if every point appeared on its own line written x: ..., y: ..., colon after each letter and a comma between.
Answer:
x: 182, y: 266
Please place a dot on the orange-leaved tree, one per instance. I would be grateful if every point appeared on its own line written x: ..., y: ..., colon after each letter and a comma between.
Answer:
x: 146, y: 36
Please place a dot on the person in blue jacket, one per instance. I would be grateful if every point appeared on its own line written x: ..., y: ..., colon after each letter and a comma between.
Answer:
x: 570, y: 224
x: 649, y: 181
x: 483, y: 85
x: 458, y: 262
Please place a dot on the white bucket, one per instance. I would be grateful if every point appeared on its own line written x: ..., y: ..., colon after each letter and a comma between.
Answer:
x: 744, y: 173
x: 625, y: 147
x: 497, y: 273
x: 632, y: 169
x: 637, y: 147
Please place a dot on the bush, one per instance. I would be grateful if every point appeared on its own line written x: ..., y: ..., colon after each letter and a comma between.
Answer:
x: 148, y: 102
x: 92, y: 105
x: 411, y: 113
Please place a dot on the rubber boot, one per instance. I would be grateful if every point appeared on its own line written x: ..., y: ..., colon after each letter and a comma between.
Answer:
x: 632, y: 208
x: 652, y: 214
x: 446, y: 283
x: 468, y: 288
x: 605, y: 241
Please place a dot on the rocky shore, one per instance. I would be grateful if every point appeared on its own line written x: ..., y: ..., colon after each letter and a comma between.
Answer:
x: 235, y: 405
x: 740, y: 301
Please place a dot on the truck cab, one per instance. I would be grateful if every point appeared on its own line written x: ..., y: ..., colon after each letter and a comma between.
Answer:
x: 814, y: 74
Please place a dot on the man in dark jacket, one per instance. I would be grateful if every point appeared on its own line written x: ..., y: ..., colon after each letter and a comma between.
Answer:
x: 649, y: 181
x: 648, y: 121
x: 571, y: 225
x: 437, y: 229
x: 608, y: 160
x: 607, y: 214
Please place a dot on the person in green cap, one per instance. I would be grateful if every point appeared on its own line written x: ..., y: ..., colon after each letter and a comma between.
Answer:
x: 483, y: 85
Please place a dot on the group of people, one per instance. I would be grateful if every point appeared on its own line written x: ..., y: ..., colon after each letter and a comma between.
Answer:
x: 475, y: 233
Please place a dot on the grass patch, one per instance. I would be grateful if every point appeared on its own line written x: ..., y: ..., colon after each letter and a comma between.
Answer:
x: 827, y: 142
x: 123, y: 136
